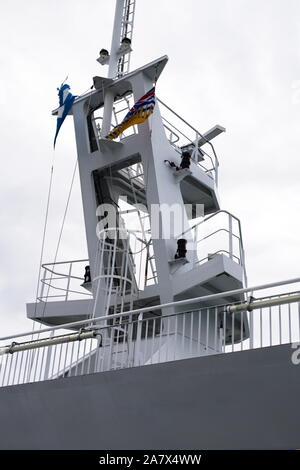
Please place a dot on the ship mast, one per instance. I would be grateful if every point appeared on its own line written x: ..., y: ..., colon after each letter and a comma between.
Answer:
x: 162, y: 171
x: 119, y: 58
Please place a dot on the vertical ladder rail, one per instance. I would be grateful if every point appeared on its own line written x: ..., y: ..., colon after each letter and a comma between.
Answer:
x: 141, y: 221
x: 126, y: 32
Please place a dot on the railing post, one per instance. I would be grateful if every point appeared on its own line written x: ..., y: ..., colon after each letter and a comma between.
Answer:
x: 137, y: 348
x: 196, y: 235
x: 216, y: 171
x: 195, y: 153
x: 221, y: 342
x: 251, y: 329
x: 299, y: 318
x: 69, y: 280
x: 43, y: 284
x: 230, y: 237
x: 48, y: 358
x: 111, y: 345
x: 244, y: 266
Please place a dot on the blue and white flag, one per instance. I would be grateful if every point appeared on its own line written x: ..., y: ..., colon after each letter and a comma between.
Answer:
x: 66, y: 100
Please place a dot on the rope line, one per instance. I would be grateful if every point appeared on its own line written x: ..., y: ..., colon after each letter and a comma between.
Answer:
x: 44, y: 232
x: 61, y: 231
x: 31, y: 356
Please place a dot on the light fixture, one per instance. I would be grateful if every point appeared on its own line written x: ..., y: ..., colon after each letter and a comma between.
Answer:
x: 103, y: 57
x: 125, y: 46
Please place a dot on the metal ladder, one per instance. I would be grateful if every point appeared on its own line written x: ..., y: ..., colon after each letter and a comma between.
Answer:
x: 142, y: 219
x: 126, y: 32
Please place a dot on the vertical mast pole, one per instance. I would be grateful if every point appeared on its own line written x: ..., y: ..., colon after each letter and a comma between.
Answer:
x: 116, y: 37
x: 113, y: 66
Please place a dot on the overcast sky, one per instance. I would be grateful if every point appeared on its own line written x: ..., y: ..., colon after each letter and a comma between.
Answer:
x: 231, y: 62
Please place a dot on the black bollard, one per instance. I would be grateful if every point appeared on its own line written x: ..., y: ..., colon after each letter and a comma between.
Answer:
x: 181, y: 248
x: 185, y: 160
x: 87, y: 275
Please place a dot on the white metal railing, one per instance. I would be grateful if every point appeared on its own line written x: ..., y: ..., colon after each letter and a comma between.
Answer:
x: 219, y: 233
x: 148, y: 336
x: 62, y: 281
x: 178, y: 131
x: 181, y: 134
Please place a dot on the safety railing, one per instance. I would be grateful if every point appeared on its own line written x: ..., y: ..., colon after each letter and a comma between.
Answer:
x: 156, y: 334
x: 62, y: 280
x: 182, y: 135
x: 179, y: 132
x: 219, y: 233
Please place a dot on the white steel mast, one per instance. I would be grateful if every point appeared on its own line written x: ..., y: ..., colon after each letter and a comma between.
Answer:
x: 119, y: 59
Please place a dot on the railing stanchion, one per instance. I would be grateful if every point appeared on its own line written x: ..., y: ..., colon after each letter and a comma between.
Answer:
x: 68, y: 282
x: 299, y: 320
x: 48, y: 358
x: 43, y: 284
x: 230, y: 237
x: 138, y: 340
x: 207, y: 330
x: 128, y: 333
x: 251, y: 333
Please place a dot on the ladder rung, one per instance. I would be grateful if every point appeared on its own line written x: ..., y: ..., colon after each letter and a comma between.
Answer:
x: 137, y: 176
x: 120, y: 110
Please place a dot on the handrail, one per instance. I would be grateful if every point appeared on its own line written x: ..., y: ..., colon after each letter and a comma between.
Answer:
x: 195, y: 130
x: 178, y: 130
x: 61, y: 288
x: 242, y: 251
x: 221, y: 211
x: 94, y: 331
x: 65, y: 262
x: 158, y: 307
x: 64, y: 276
x: 216, y: 253
x: 191, y: 141
x: 58, y: 275
x: 241, y: 258
x: 216, y: 231
x: 172, y: 133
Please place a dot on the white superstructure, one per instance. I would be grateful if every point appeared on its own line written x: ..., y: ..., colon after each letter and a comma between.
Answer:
x: 165, y: 264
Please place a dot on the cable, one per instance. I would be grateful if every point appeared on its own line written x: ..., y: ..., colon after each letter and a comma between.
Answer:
x: 61, y: 231
x: 44, y: 233
x: 31, y: 356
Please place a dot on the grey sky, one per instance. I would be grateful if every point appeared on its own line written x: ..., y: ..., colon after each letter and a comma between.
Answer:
x: 232, y: 62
